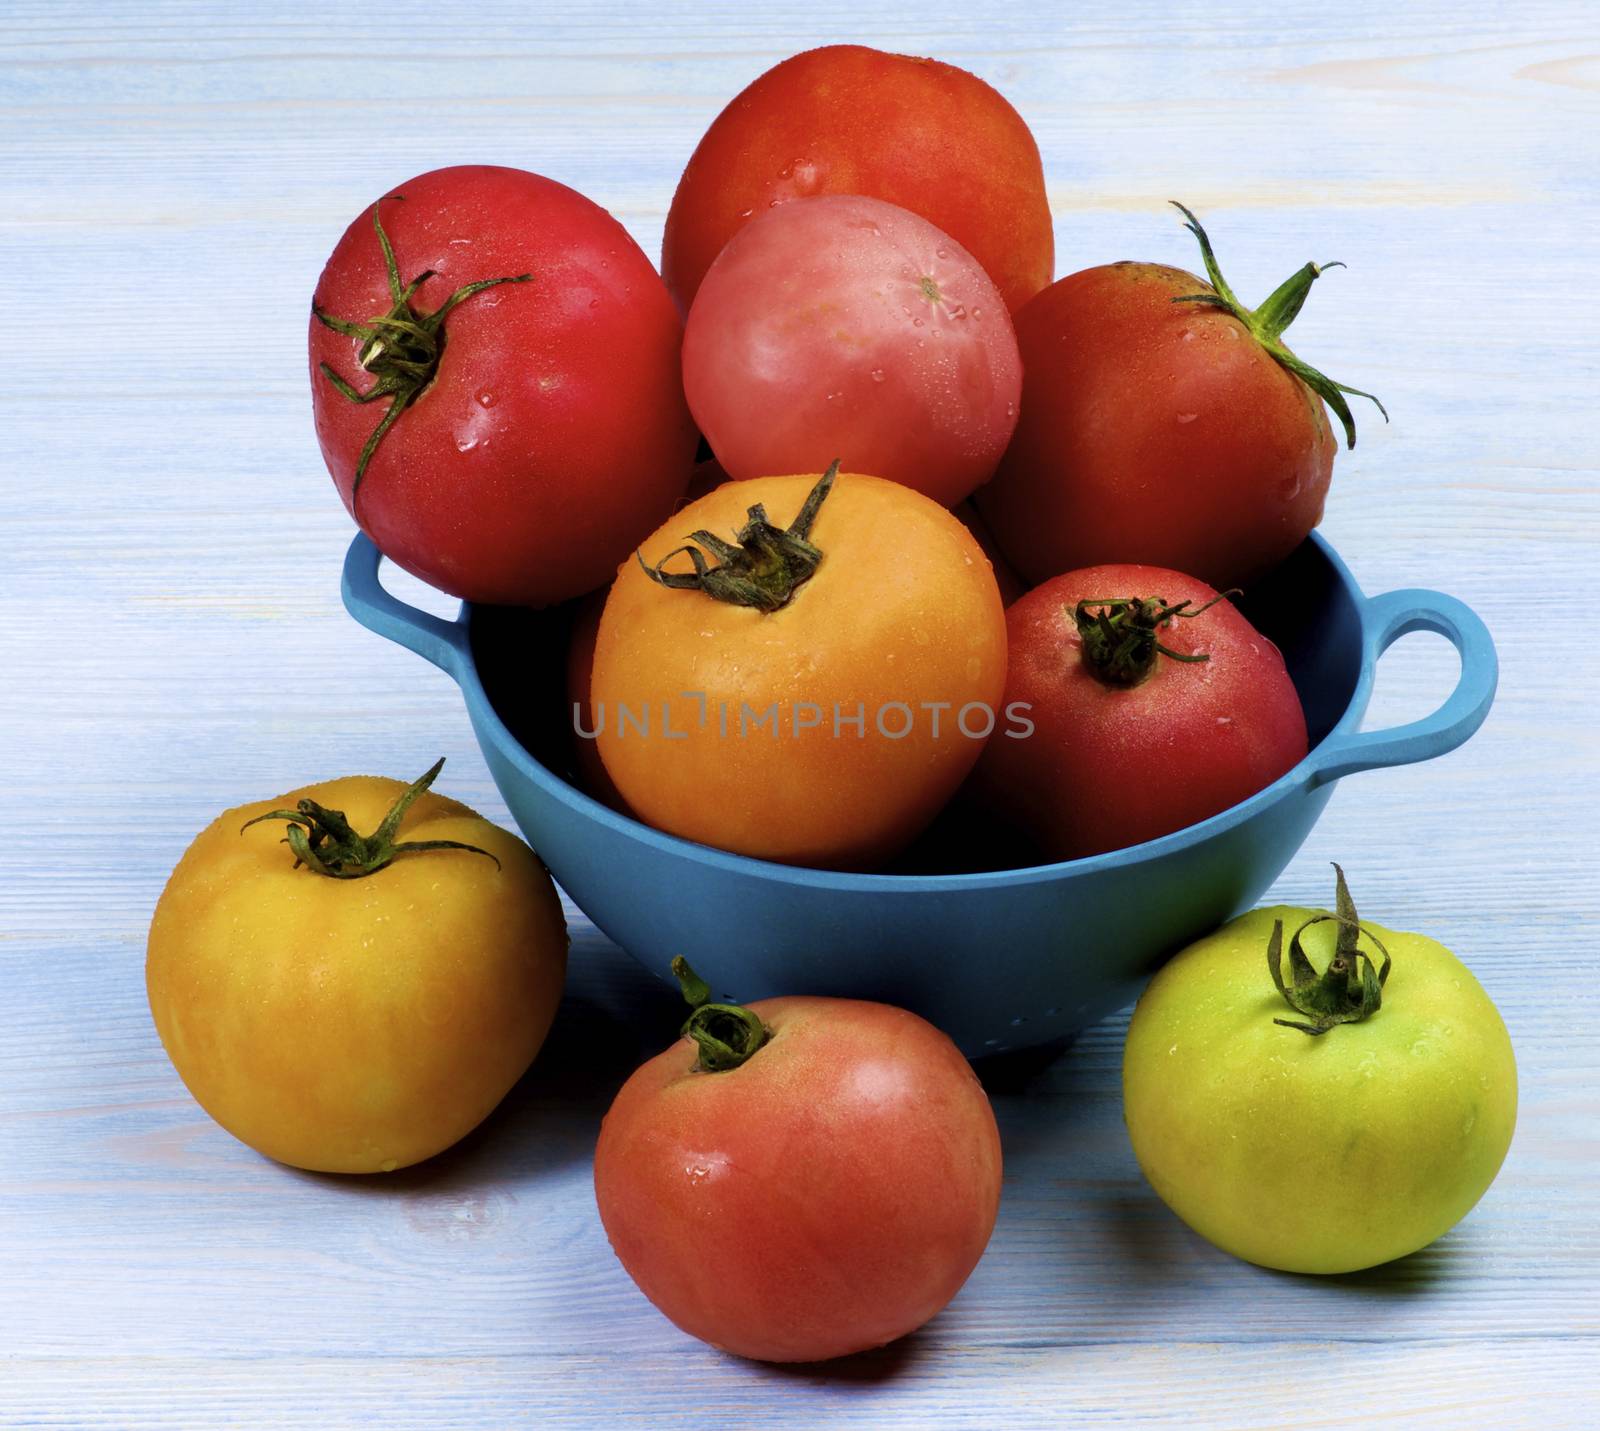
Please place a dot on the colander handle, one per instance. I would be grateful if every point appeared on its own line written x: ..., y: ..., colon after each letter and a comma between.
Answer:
x: 442, y: 642
x: 1384, y: 620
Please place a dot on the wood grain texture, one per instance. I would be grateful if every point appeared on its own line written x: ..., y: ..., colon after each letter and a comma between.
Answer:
x: 171, y: 179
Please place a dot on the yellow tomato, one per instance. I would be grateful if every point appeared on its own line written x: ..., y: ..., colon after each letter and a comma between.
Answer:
x: 825, y: 689
x: 1317, y: 1153
x: 347, y: 1022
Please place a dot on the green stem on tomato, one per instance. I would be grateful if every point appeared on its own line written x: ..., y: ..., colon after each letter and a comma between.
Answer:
x: 727, y: 1034
x: 399, y: 348
x: 1118, y: 635
x: 1349, y: 990
x: 324, y: 841
x: 762, y: 567
x: 1267, y: 323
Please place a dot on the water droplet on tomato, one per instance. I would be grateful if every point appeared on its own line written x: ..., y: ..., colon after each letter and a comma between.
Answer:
x: 486, y: 398
x: 466, y: 441
x: 942, y: 253
x: 745, y: 213
x: 916, y: 322
x: 877, y: 375
x: 1187, y: 417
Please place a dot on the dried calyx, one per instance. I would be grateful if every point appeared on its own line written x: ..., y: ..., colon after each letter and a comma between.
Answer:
x: 324, y: 842
x: 1349, y: 990
x: 1267, y: 323
x: 399, y: 348
x: 762, y: 567
x: 727, y: 1034
x: 1120, y: 634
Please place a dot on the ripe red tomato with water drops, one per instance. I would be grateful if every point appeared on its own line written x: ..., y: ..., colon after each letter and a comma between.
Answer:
x: 1164, y: 422
x: 1154, y: 704
x: 801, y: 1178
x: 846, y: 119
x: 848, y: 327
x: 496, y: 383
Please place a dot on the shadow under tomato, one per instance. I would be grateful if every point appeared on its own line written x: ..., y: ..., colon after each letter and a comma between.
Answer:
x: 867, y: 1368
x: 1156, y: 1246
x: 1423, y: 1271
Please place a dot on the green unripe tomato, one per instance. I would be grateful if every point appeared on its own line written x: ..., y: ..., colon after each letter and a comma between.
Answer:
x: 1324, y: 1153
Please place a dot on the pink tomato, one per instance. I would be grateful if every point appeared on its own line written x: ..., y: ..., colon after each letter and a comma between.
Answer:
x: 820, y: 1177
x: 845, y: 327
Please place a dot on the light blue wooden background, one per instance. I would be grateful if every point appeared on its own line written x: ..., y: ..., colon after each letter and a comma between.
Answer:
x: 172, y: 176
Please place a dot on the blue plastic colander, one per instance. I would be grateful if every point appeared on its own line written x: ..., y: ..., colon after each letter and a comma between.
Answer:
x: 1001, y: 960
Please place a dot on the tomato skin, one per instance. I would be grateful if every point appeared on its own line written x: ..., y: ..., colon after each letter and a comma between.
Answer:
x: 829, y: 1195
x: 354, y: 1025
x: 846, y: 327
x: 1154, y: 432
x: 845, y: 119
x: 554, y: 434
x: 1325, y: 1154
x: 902, y: 609
x: 1107, y: 767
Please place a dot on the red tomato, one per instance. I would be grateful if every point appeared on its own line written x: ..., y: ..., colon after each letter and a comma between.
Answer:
x: 828, y: 1195
x: 1159, y: 432
x: 845, y: 119
x: 845, y: 326
x: 546, y: 432
x: 1108, y: 764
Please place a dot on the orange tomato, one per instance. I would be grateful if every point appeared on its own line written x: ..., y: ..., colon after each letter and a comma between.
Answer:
x: 831, y: 728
